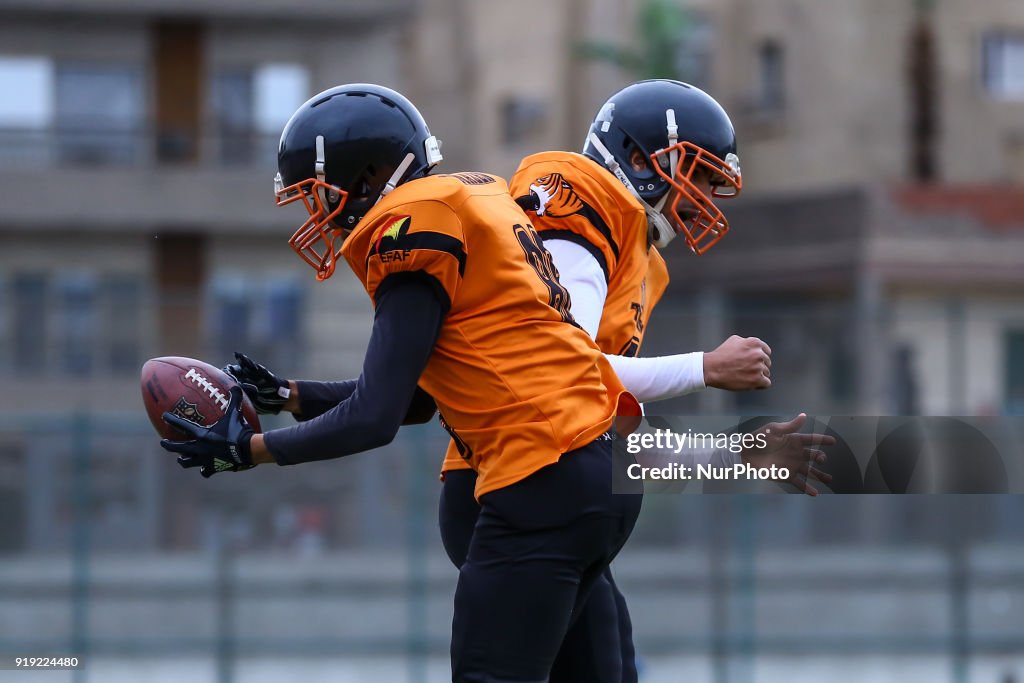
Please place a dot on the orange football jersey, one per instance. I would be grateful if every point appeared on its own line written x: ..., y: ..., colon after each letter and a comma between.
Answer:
x: 515, y: 383
x: 582, y: 202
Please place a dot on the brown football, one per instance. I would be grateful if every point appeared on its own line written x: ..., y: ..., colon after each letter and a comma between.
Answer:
x: 191, y: 389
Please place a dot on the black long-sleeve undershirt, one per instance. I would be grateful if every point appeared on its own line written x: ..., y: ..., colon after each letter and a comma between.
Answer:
x: 410, y: 309
x: 316, y: 398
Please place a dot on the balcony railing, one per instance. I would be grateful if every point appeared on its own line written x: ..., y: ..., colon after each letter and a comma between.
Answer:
x: 94, y: 147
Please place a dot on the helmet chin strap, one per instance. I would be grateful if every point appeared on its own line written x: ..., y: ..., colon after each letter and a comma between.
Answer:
x: 396, y: 176
x: 663, y: 232
x: 659, y: 231
x: 320, y: 167
x: 432, y: 148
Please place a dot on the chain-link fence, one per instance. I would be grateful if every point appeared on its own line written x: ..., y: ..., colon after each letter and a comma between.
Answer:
x: 333, y: 571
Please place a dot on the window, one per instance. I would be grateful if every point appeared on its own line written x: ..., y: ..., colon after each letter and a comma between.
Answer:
x: 233, y: 114
x: 903, y: 384
x: 1003, y: 64
x: 99, y: 324
x: 32, y: 79
x: 29, y: 322
x: 14, y: 490
x: 250, y: 106
x: 1015, y: 372
x: 694, y: 50
x: 523, y: 119
x: 24, y: 119
x: 284, y: 322
x: 278, y: 90
x: 120, y: 298
x: 78, y: 324
x: 95, y: 110
x: 99, y: 113
x: 263, y: 318
x: 841, y: 368
x: 72, y: 325
x: 231, y: 314
x: 772, y: 87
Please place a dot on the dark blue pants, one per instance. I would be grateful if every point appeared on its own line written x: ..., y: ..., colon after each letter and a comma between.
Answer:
x: 535, y: 599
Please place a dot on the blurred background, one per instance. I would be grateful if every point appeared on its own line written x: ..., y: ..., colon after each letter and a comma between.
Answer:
x: 878, y: 247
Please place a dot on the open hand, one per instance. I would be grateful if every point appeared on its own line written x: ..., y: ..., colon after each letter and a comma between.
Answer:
x: 798, y: 453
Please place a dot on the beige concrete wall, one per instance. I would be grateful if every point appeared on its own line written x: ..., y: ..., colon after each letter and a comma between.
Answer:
x: 81, y: 38
x: 474, y: 56
x: 847, y: 114
x: 334, y: 54
x: 982, y: 137
x: 440, y: 73
x: 844, y: 116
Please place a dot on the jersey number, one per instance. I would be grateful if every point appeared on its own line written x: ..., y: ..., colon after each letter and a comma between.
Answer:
x: 540, y: 259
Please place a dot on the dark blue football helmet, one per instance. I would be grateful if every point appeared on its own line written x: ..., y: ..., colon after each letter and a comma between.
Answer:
x: 682, y: 133
x: 339, y: 154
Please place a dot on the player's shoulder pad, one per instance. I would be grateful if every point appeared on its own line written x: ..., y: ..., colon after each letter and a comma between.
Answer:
x: 556, y: 160
x: 591, y: 181
x: 454, y: 188
x: 558, y: 185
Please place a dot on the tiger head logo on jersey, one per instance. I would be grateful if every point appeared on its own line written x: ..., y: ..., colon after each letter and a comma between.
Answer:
x: 555, y: 196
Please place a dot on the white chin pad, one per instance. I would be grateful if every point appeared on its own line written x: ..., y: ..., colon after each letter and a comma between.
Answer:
x: 659, y: 230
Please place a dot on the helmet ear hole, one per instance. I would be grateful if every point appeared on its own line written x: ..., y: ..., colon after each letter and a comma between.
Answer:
x: 638, y: 162
x: 637, y: 159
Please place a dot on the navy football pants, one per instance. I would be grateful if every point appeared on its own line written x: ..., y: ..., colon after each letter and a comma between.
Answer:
x: 533, y: 561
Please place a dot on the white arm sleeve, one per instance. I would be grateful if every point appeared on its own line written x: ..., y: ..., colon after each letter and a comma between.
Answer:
x: 661, y: 377
x: 648, y: 379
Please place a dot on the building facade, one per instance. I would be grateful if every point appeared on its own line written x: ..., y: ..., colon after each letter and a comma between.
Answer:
x: 876, y: 247
x: 137, y: 152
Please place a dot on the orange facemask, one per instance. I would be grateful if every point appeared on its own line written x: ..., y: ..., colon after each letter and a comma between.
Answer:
x: 317, y: 242
x: 702, y: 230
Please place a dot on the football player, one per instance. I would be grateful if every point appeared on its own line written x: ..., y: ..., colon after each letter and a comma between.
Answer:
x: 657, y: 157
x: 469, y: 315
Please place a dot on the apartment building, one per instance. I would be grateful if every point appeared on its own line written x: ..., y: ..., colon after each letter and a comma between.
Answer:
x: 137, y: 154
x: 877, y: 245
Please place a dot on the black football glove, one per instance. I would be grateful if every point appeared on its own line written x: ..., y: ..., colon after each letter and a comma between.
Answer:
x: 267, y: 393
x: 221, y: 447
